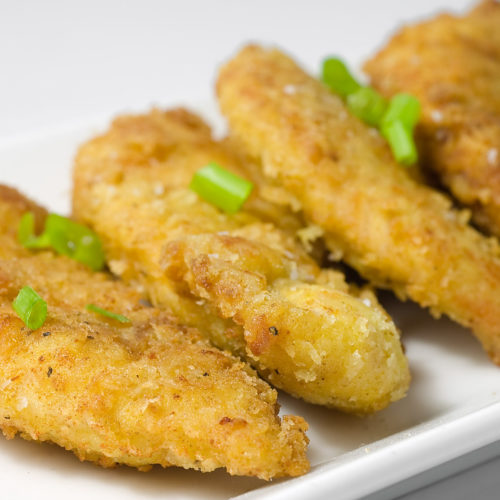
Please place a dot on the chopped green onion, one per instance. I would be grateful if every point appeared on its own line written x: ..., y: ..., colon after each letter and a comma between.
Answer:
x: 75, y: 240
x: 367, y: 104
x: 220, y: 187
x: 30, y: 307
x: 65, y: 237
x: 108, y: 314
x: 26, y: 229
x: 26, y: 233
x: 401, y: 141
x: 396, y: 120
x: 403, y: 108
x: 336, y: 75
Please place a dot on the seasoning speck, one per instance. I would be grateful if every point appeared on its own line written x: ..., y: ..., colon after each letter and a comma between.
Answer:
x: 492, y: 156
x: 90, y: 337
x: 441, y: 135
x: 273, y: 330
x: 145, y: 303
x: 22, y: 403
x: 158, y: 190
x: 46, y: 334
x: 7, y: 417
x: 49, y: 371
x: 436, y: 116
x: 205, y: 374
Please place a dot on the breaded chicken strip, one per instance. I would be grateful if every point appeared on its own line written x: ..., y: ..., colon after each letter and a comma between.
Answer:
x: 149, y: 392
x: 452, y: 64
x: 395, y: 232
x: 246, y: 283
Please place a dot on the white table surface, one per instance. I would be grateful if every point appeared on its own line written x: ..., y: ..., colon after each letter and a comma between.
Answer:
x: 68, y: 61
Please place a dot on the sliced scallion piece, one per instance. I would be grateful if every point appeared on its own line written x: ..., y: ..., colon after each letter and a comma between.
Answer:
x: 336, y: 75
x: 221, y: 188
x: 396, y: 119
x: 65, y: 237
x: 30, y: 307
x: 26, y: 233
x: 75, y: 240
x: 368, y: 105
x: 401, y: 141
x: 108, y: 314
x: 403, y: 108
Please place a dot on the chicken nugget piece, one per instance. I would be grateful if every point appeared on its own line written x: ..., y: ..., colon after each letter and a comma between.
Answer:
x: 239, y: 278
x: 394, y: 231
x: 452, y: 64
x: 144, y: 393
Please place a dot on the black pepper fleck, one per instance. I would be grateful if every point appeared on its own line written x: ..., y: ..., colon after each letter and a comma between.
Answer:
x: 273, y: 330
x: 276, y: 371
x: 90, y: 337
x: 7, y: 418
x: 46, y: 334
x: 205, y: 374
x: 49, y: 371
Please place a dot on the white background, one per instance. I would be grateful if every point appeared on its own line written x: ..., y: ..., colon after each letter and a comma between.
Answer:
x: 63, y: 62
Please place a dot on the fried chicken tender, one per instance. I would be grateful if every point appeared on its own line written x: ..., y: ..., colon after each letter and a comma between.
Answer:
x: 452, y: 64
x: 144, y: 393
x: 395, y: 232
x: 239, y: 278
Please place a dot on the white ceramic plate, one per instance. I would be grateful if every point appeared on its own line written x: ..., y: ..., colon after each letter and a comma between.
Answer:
x: 453, y: 406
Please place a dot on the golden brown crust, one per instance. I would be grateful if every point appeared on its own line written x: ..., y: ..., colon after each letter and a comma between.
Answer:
x: 151, y: 392
x: 397, y: 233
x: 241, y: 278
x: 452, y: 64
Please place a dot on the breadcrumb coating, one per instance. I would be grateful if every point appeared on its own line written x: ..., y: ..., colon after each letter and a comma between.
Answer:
x: 394, y: 231
x: 245, y: 282
x: 149, y: 392
x: 452, y: 64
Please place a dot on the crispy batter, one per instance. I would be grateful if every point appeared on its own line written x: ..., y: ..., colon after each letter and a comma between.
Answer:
x: 152, y: 392
x: 247, y: 284
x: 395, y: 232
x: 452, y: 64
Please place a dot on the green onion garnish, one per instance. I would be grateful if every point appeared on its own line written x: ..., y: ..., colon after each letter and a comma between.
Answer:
x: 220, y: 187
x: 397, y: 127
x: 65, y: 237
x: 108, y: 314
x: 404, y: 108
x: 367, y: 104
x: 400, y: 139
x: 395, y: 120
x: 336, y: 75
x: 26, y: 233
x: 30, y: 307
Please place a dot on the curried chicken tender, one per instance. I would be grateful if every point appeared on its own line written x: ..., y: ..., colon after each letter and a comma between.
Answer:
x: 239, y: 278
x: 452, y: 64
x: 395, y: 232
x: 144, y: 393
